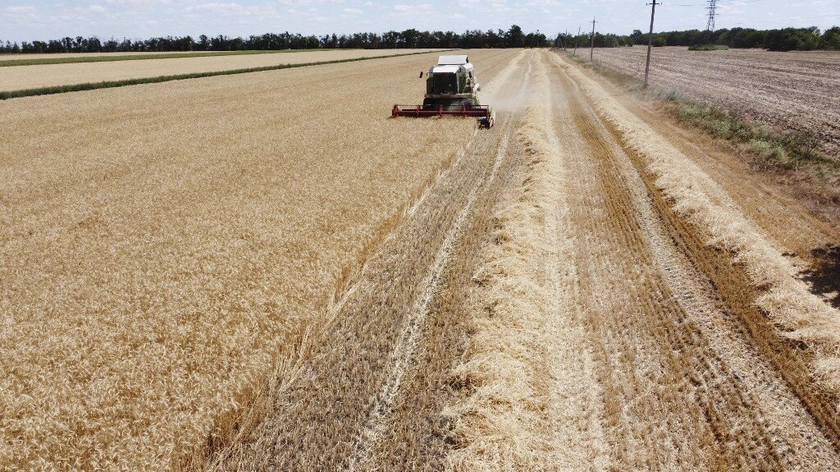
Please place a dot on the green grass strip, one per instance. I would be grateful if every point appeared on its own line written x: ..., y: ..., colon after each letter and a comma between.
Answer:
x: 708, y: 47
x: 118, y: 57
x: 780, y: 149
x: 168, y: 78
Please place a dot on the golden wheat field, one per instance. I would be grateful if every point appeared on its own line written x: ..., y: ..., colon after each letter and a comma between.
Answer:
x: 50, y: 75
x: 64, y: 55
x: 267, y: 272
x: 163, y: 245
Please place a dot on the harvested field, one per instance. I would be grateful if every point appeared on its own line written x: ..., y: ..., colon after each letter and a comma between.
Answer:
x: 241, y: 282
x: 791, y: 91
x: 596, y: 317
x: 37, y: 76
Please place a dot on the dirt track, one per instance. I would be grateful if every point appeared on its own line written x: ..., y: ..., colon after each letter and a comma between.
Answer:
x: 557, y: 307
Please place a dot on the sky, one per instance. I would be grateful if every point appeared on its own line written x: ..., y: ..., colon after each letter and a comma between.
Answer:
x: 42, y: 20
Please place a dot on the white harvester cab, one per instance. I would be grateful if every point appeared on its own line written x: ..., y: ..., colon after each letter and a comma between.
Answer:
x: 451, y: 83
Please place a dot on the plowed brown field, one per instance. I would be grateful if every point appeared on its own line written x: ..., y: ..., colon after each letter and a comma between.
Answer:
x: 583, y: 287
x: 792, y: 91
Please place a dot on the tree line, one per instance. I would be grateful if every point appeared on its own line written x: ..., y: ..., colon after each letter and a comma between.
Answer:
x: 410, y: 38
x: 786, y: 39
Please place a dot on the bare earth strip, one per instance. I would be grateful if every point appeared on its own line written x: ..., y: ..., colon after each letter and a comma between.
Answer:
x: 37, y: 76
x: 789, y: 90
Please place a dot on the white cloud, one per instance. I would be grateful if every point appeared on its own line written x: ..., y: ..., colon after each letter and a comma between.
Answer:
x: 306, y: 3
x: 139, y: 3
x: 224, y: 8
x: 545, y: 6
x: 20, y: 9
x: 423, y: 8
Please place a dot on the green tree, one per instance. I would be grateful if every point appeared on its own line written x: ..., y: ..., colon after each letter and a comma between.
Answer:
x: 535, y: 40
x: 409, y: 38
x: 792, y: 39
x: 514, y: 38
x: 659, y: 41
x: 831, y: 39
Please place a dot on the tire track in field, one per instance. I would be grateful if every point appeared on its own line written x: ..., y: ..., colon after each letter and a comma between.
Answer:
x: 420, y: 432
x: 579, y: 437
x: 646, y: 346
x: 410, y: 339
x: 619, y: 303
x: 649, y: 369
x: 726, y: 401
x: 732, y: 213
x: 672, y: 356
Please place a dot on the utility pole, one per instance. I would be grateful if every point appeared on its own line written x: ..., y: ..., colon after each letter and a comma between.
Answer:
x: 592, y: 47
x: 565, y: 38
x: 574, y: 53
x: 650, y: 41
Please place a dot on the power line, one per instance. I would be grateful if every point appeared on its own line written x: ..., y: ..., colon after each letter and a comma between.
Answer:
x: 710, y: 25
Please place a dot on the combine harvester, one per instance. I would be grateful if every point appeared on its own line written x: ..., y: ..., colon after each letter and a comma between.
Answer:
x: 450, y: 90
